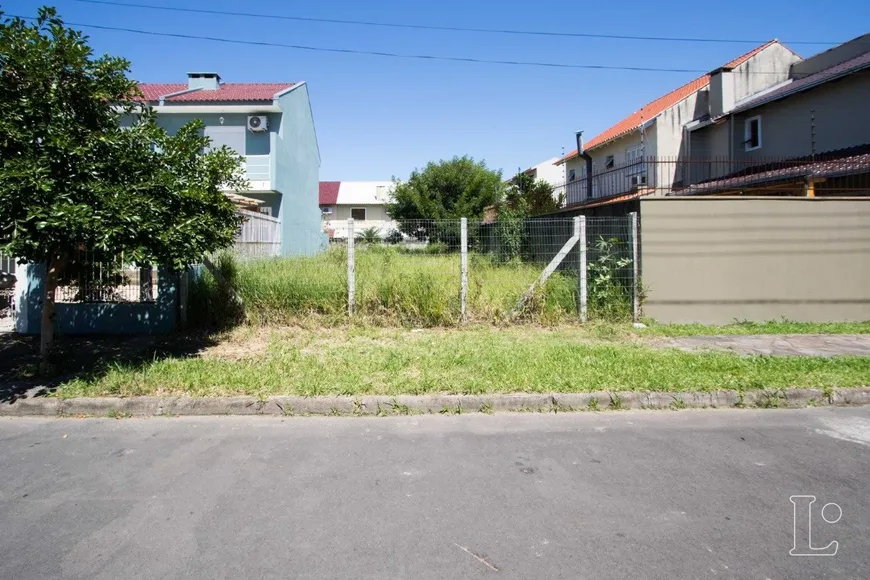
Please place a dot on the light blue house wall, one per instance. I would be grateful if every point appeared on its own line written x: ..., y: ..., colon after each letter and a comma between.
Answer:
x: 297, y: 175
x: 158, y: 317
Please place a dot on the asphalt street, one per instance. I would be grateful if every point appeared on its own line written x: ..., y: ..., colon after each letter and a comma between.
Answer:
x: 666, y: 494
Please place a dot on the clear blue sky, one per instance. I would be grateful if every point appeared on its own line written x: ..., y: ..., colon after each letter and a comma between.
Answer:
x: 378, y: 117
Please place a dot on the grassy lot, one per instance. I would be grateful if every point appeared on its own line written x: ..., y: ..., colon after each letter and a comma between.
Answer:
x: 396, y: 287
x: 483, y: 359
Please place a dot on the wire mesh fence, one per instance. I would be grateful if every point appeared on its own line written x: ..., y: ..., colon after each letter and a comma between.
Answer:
x: 443, y: 272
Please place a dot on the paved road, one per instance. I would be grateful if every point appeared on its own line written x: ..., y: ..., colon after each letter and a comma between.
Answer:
x: 689, y: 494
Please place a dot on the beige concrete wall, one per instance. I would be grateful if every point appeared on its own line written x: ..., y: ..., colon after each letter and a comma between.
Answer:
x: 717, y: 260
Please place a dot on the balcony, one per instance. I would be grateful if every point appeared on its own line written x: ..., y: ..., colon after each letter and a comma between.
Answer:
x: 628, y: 178
x: 258, y: 170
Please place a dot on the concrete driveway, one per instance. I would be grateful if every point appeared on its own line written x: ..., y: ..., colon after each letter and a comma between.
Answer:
x: 688, y: 494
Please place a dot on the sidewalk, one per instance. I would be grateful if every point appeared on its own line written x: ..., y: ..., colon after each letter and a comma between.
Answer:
x: 779, y: 345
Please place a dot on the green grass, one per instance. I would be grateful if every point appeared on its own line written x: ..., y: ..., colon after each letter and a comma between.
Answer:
x: 393, y: 287
x: 389, y: 361
x: 749, y: 328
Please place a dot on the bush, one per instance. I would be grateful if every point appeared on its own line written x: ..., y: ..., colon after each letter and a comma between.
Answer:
x: 609, y: 285
x: 211, y: 302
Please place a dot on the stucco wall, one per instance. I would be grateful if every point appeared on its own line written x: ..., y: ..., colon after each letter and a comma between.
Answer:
x: 297, y: 175
x: 765, y: 69
x: 721, y: 259
x: 376, y: 217
x: 842, y: 119
x: 158, y: 317
x: 255, y: 143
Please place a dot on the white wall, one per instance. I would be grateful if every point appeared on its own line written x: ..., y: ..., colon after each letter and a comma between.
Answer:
x: 376, y: 217
x: 547, y: 171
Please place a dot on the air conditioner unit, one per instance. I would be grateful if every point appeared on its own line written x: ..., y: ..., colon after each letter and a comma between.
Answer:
x: 637, y: 180
x: 258, y: 122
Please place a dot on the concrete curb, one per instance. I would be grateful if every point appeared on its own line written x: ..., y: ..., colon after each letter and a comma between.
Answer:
x: 411, y: 405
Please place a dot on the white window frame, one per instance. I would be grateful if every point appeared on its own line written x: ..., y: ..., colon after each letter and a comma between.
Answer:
x: 634, y: 155
x: 609, y: 162
x: 365, y: 214
x: 747, y: 133
x: 572, y: 176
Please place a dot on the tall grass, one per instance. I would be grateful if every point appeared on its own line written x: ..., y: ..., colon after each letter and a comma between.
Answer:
x: 393, y: 286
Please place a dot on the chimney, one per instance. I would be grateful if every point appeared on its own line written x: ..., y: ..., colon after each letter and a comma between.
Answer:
x: 721, y: 96
x: 207, y: 81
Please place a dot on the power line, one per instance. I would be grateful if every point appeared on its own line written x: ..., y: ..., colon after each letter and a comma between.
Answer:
x: 444, y: 28
x: 376, y: 53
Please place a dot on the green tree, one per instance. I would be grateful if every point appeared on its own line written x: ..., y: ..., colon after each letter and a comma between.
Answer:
x: 450, y: 189
x: 84, y: 166
x: 532, y: 196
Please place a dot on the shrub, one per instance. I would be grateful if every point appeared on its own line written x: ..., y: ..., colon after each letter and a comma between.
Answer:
x: 609, y: 294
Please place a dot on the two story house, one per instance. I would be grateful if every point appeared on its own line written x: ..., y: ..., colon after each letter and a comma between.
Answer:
x: 271, y: 126
x: 619, y: 158
x: 364, y: 201
x: 808, y: 135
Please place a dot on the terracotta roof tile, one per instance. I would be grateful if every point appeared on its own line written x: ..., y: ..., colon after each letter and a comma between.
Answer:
x: 657, y: 107
x: 153, y: 91
x: 226, y: 92
x: 329, y: 192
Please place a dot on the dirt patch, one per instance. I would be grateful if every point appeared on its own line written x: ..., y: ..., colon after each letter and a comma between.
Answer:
x: 239, y: 346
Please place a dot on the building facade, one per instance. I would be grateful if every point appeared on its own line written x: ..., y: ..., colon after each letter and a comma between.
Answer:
x: 618, y: 158
x: 271, y: 126
x: 364, y: 201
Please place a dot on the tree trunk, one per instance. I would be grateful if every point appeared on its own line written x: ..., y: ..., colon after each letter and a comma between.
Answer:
x: 46, y: 332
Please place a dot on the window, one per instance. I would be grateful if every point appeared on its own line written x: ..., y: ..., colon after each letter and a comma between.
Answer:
x: 358, y: 214
x: 752, y: 133
x: 326, y: 210
x: 634, y: 159
x: 608, y: 163
x: 266, y: 211
x: 571, y: 175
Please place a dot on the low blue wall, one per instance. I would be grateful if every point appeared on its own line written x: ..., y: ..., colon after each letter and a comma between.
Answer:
x: 158, y: 317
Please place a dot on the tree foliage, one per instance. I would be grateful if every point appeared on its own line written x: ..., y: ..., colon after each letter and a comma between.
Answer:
x: 449, y: 189
x: 84, y: 166
x: 532, y: 196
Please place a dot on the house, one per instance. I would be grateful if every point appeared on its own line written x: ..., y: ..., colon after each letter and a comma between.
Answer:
x: 364, y: 201
x: 550, y: 171
x: 271, y: 126
x: 618, y: 158
x: 808, y: 135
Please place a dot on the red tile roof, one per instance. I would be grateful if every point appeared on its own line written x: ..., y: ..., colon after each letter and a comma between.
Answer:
x: 329, y: 192
x: 153, y: 92
x: 657, y: 107
x: 226, y: 92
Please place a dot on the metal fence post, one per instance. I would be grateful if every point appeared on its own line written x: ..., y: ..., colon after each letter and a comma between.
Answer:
x: 351, y: 271
x: 580, y: 231
x: 635, y: 313
x: 463, y: 267
x: 146, y: 293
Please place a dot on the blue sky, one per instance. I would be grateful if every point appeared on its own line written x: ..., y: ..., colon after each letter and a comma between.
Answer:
x: 378, y: 117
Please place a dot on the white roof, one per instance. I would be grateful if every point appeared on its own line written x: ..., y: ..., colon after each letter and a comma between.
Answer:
x: 364, y: 192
